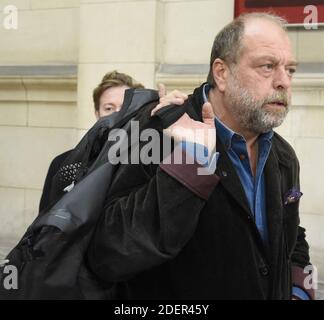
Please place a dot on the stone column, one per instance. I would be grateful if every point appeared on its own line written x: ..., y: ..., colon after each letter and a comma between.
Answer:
x: 114, y: 35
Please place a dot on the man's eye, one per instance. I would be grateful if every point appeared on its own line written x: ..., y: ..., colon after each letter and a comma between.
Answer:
x: 268, y: 67
x: 291, y: 71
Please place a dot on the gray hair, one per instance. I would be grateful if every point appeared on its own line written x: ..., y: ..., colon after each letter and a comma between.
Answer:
x: 228, y: 43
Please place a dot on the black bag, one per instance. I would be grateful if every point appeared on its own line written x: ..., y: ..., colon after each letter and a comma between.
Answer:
x: 50, y: 257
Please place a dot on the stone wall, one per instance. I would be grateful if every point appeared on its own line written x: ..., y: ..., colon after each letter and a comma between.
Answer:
x: 38, y: 98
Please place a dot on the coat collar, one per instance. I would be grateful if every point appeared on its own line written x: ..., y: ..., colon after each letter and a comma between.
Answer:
x: 283, y: 155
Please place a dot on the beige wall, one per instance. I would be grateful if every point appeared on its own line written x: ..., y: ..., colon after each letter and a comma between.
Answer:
x: 37, y: 103
x: 68, y: 45
x: 47, y: 33
x: 34, y: 127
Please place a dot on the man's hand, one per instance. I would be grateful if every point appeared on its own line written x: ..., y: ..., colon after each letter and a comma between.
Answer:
x: 175, y: 97
x: 189, y: 130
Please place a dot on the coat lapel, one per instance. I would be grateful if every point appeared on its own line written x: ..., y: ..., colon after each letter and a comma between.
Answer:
x: 230, y: 180
x: 274, y: 205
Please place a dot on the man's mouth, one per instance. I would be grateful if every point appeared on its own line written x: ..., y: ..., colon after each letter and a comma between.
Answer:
x: 277, y: 103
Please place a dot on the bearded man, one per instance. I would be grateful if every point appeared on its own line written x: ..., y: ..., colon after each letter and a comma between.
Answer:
x: 172, y: 233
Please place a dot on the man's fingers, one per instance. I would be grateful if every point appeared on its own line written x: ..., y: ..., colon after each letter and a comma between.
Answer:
x: 207, y: 113
x: 158, y: 107
x: 175, y: 97
x: 178, y: 94
x: 167, y: 102
x: 162, y: 90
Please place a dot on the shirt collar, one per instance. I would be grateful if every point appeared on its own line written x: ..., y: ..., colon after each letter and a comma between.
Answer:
x: 226, y: 134
x: 205, y: 91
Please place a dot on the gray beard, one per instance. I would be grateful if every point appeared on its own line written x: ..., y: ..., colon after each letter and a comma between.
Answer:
x: 249, y: 112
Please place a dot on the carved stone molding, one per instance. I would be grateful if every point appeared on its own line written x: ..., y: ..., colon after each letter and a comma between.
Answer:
x: 38, y: 83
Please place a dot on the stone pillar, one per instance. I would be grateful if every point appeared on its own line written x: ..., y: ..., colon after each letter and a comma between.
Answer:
x: 189, y: 29
x: 114, y: 35
x: 37, y: 105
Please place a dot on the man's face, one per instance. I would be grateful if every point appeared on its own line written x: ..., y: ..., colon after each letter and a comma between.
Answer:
x: 258, y: 89
x: 111, y: 101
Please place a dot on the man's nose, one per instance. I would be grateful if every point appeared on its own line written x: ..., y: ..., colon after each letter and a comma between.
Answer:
x: 281, y: 80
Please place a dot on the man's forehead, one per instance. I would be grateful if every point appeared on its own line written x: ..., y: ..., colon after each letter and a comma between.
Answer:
x: 258, y: 50
x: 264, y: 30
x: 259, y: 40
x: 255, y: 26
x: 263, y: 57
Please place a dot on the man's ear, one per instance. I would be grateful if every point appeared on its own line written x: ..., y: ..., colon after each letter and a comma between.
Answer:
x: 97, y: 114
x: 220, y: 73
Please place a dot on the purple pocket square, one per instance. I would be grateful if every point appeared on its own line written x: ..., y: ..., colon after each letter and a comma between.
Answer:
x: 292, y: 195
